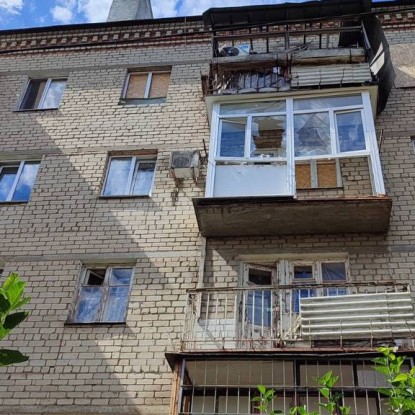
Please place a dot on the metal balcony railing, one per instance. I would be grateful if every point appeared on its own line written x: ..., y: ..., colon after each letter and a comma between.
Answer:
x: 272, y: 317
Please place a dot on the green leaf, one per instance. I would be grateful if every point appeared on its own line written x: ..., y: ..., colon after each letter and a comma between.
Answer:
x: 13, y: 320
x: 402, y: 377
x: 4, y: 304
x: 256, y: 399
x: 385, y: 391
x: 10, y: 357
x: 325, y: 392
x: 262, y: 389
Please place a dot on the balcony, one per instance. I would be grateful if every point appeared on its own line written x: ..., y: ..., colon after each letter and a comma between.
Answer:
x: 275, y: 164
x: 295, y: 316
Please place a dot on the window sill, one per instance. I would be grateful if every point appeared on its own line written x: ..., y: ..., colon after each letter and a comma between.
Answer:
x: 97, y: 323
x: 14, y: 202
x: 141, y: 102
x: 124, y: 197
x: 36, y: 109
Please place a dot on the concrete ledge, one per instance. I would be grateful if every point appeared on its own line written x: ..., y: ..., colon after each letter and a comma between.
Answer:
x: 222, y: 217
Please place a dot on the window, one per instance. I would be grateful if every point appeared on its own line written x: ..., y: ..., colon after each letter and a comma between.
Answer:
x: 129, y: 176
x: 103, y: 295
x: 275, y: 147
x: 17, y: 180
x: 43, y: 94
x: 142, y: 87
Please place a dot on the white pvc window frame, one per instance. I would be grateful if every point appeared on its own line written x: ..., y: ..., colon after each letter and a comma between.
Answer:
x: 49, y: 82
x: 371, y: 151
x: 148, y: 84
x: 20, y: 167
x: 135, y: 161
x: 105, y: 292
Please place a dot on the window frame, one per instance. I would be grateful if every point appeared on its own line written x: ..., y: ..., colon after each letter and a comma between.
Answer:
x: 20, y: 167
x: 49, y: 81
x: 365, y: 108
x: 131, y: 175
x: 82, y: 282
x: 146, y: 99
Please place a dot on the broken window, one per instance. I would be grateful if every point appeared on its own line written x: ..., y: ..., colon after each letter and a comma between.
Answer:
x: 43, y: 94
x: 103, y: 295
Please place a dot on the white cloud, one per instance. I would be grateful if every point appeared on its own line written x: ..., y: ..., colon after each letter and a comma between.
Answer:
x: 62, y: 14
x: 164, y: 8
x: 11, y: 6
x: 94, y: 10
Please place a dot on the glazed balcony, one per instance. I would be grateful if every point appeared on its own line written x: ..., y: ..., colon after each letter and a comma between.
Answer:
x: 275, y: 164
x: 297, y: 316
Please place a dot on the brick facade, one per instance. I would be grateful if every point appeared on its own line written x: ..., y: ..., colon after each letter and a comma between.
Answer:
x: 66, y: 224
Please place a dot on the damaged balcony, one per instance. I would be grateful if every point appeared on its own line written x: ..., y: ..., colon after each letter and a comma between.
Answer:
x: 293, y: 47
x: 296, y: 316
x: 275, y: 164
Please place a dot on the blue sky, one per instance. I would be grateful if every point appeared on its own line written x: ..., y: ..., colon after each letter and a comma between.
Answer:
x: 31, y: 13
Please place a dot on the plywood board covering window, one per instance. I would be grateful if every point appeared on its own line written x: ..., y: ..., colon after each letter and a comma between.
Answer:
x: 320, y: 174
x: 147, y: 85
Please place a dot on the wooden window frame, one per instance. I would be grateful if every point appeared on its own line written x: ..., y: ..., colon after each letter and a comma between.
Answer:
x: 83, y: 283
x: 146, y: 98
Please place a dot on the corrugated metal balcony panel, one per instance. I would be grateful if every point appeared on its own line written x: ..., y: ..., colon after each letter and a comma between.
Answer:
x: 359, y: 316
x: 305, y: 76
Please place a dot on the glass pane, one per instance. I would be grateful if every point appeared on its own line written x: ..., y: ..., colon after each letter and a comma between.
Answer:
x: 54, y: 94
x: 259, y: 308
x: 252, y: 108
x: 303, y: 272
x: 121, y: 276
x: 232, y: 140
x: 95, y: 276
x: 143, y: 178
x: 312, y: 134
x: 260, y: 277
x: 327, y: 102
x: 350, y: 131
x: 7, y: 178
x: 88, y: 305
x: 33, y: 94
x: 333, y: 271
x: 303, y: 293
x: 26, y: 181
x: 117, y: 179
x: 268, y: 137
x: 116, y: 305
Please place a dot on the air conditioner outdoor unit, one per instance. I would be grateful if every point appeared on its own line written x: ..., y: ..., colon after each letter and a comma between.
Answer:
x: 185, y: 164
x: 234, y: 50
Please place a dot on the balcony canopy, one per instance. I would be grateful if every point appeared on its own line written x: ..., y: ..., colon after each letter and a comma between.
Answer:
x: 226, y: 17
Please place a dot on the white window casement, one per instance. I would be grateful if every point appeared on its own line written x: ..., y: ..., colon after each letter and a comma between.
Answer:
x: 256, y: 146
x: 103, y: 295
x: 145, y: 87
x: 17, y: 180
x: 129, y: 176
x: 41, y: 94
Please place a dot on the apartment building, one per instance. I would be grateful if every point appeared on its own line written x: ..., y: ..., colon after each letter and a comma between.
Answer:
x: 203, y: 204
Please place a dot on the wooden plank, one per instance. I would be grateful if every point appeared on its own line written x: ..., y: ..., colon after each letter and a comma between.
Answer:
x: 174, y: 399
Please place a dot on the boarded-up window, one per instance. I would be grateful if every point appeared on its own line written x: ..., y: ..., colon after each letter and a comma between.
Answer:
x: 147, y: 85
x: 321, y: 174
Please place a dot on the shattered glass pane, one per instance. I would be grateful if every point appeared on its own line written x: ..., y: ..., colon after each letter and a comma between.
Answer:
x: 268, y: 138
x: 312, y: 134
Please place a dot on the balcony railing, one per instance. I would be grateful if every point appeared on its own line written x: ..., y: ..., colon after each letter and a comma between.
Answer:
x: 273, y: 317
